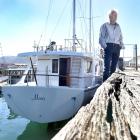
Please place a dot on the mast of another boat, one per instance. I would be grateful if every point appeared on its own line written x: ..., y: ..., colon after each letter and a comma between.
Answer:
x: 74, y: 26
x: 90, y: 24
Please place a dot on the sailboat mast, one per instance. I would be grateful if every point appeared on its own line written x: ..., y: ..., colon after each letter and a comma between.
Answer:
x: 90, y: 20
x: 74, y: 25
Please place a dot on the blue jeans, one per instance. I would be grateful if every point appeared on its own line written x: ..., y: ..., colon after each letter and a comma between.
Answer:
x: 111, y: 57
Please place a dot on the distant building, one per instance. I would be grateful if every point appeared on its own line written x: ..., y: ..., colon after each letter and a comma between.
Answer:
x: 132, y: 62
x: 3, y: 65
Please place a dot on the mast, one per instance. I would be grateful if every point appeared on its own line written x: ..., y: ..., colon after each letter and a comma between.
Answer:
x: 74, y: 25
x: 90, y: 20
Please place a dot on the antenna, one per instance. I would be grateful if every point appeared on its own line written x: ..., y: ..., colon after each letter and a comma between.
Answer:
x: 74, y: 25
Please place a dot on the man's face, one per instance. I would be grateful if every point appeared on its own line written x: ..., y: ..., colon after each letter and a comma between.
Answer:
x: 113, y: 17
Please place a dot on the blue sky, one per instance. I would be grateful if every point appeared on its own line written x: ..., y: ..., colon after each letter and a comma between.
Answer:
x: 23, y: 21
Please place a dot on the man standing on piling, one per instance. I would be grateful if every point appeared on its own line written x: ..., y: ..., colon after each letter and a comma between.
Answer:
x: 111, y: 41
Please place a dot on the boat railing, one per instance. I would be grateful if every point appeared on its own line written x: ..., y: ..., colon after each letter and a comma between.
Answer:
x: 48, y: 48
x: 81, y: 46
x: 62, y: 48
x: 67, y: 78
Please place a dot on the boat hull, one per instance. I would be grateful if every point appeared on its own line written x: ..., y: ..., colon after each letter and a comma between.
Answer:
x: 46, y: 104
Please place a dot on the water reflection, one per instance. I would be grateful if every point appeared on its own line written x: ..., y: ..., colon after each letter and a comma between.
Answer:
x: 13, y: 127
x: 34, y: 131
x: 38, y: 131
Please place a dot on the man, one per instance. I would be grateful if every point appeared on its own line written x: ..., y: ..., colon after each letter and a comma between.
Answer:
x: 111, y: 41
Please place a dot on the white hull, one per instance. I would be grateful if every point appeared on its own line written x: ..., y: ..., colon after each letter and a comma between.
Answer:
x: 46, y: 104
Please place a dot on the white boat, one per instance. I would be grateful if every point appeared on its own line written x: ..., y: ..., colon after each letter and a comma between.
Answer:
x: 65, y: 80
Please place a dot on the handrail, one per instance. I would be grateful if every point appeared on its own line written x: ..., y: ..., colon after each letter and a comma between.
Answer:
x: 28, y: 77
x: 55, y: 75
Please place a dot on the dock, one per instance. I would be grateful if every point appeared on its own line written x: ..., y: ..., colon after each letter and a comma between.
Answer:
x: 113, y: 113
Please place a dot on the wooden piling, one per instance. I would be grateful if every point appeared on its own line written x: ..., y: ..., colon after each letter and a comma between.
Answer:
x: 113, y: 113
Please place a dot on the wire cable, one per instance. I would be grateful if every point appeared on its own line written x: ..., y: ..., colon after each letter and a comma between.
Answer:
x: 46, y: 21
x: 59, y: 18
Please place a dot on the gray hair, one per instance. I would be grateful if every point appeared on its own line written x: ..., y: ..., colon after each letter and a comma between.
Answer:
x: 112, y: 11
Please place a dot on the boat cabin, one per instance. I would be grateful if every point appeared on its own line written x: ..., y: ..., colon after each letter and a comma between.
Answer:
x: 71, y: 69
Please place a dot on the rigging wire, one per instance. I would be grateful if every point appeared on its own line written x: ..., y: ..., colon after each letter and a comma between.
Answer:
x: 68, y: 34
x: 69, y: 29
x: 59, y: 18
x: 46, y: 21
x: 83, y: 16
x: 82, y: 12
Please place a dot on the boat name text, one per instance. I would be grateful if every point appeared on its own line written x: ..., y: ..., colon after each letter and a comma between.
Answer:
x: 38, y: 98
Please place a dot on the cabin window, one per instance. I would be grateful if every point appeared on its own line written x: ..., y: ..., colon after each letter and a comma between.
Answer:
x: 89, y: 67
x: 55, y: 66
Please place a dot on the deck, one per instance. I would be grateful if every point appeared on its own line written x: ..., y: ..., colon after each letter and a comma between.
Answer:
x: 113, y: 114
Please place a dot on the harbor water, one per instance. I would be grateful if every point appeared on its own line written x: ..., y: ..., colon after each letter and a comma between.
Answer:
x: 14, y: 127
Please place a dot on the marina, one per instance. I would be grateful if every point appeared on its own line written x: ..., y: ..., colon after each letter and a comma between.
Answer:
x: 67, y: 72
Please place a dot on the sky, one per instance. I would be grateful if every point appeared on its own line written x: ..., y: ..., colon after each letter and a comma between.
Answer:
x: 24, y: 21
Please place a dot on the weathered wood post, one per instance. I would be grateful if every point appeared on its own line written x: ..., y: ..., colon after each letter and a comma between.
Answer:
x: 113, y: 113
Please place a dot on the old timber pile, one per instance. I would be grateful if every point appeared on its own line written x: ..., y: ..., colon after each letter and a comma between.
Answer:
x: 113, y: 114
